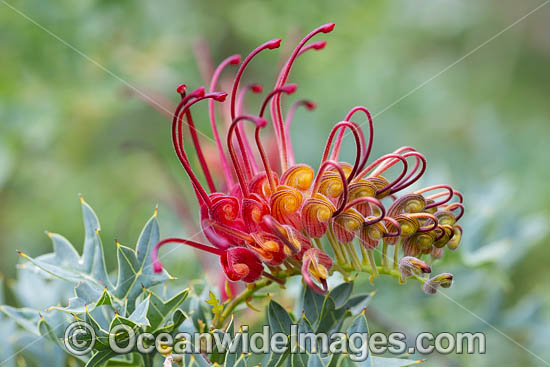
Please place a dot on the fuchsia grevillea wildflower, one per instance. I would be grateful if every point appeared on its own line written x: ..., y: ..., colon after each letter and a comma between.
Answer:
x: 270, y: 216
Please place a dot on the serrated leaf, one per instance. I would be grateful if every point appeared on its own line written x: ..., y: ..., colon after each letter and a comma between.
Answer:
x: 65, y: 263
x: 275, y: 359
x: 66, y: 253
x: 135, y: 266
x: 88, y: 292
x: 135, y: 270
x: 105, y: 299
x: 139, y: 316
x: 279, y: 322
x: 217, y: 307
x: 159, y: 310
x: 199, y: 312
x: 358, y: 324
x: 76, y: 306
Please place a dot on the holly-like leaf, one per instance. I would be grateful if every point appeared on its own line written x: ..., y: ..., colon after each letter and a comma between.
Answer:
x: 139, y: 316
x: 159, y: 310
x: 135, y: 270
x: 65, y: 263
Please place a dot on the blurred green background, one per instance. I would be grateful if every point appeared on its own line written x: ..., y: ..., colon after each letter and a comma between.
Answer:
x: 481, y: 116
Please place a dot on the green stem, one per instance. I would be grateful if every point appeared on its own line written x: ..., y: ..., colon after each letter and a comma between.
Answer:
x: 396, y: 255
x: 220, y: 319
x: 364, y: 254
x: 382, y: 270
x: 384, y: 254
x: 336, y: 247
x: 372, y: 263
x: 355, y: 262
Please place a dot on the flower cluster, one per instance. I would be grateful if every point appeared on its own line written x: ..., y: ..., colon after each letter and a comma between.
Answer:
x: 270, y: 215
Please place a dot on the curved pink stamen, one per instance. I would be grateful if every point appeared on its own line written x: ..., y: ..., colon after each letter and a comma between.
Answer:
x: 371, y: 132
x: 269, y: 45
x: 287, y: 89
x: 259, y: 122
x: 276, y: 112
x: 428, y: 216
x: 408, y: 181
x: 454, y: 206
x: 435, y: 187
x: 345, y: 192
x: 231, y: 60
x: 177, y: 140
x: 397, y: 226
x: 378, y: 171
x: 371, y: 200
x: 157, y: 265
x: 357, y: 134
x: 319, y: 45
x: 255, y: 88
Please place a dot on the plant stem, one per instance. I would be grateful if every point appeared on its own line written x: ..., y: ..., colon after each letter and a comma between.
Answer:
x: 372, y: 263
x: 384, y: 254
x: 242, y: 297
x: 396, y: 255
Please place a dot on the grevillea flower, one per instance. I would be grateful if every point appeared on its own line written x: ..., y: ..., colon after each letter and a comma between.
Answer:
x: 444, y: 280
x: 265, y: 215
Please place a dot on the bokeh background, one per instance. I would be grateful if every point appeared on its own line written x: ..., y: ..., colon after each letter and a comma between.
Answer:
x: 70, y: 124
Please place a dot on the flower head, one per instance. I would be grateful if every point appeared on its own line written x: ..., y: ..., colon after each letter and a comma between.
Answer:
x: 266, y: 214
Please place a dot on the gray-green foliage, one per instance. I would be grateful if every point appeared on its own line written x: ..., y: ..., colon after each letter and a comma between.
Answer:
x: 322, y: 314
x: 102, y: 299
